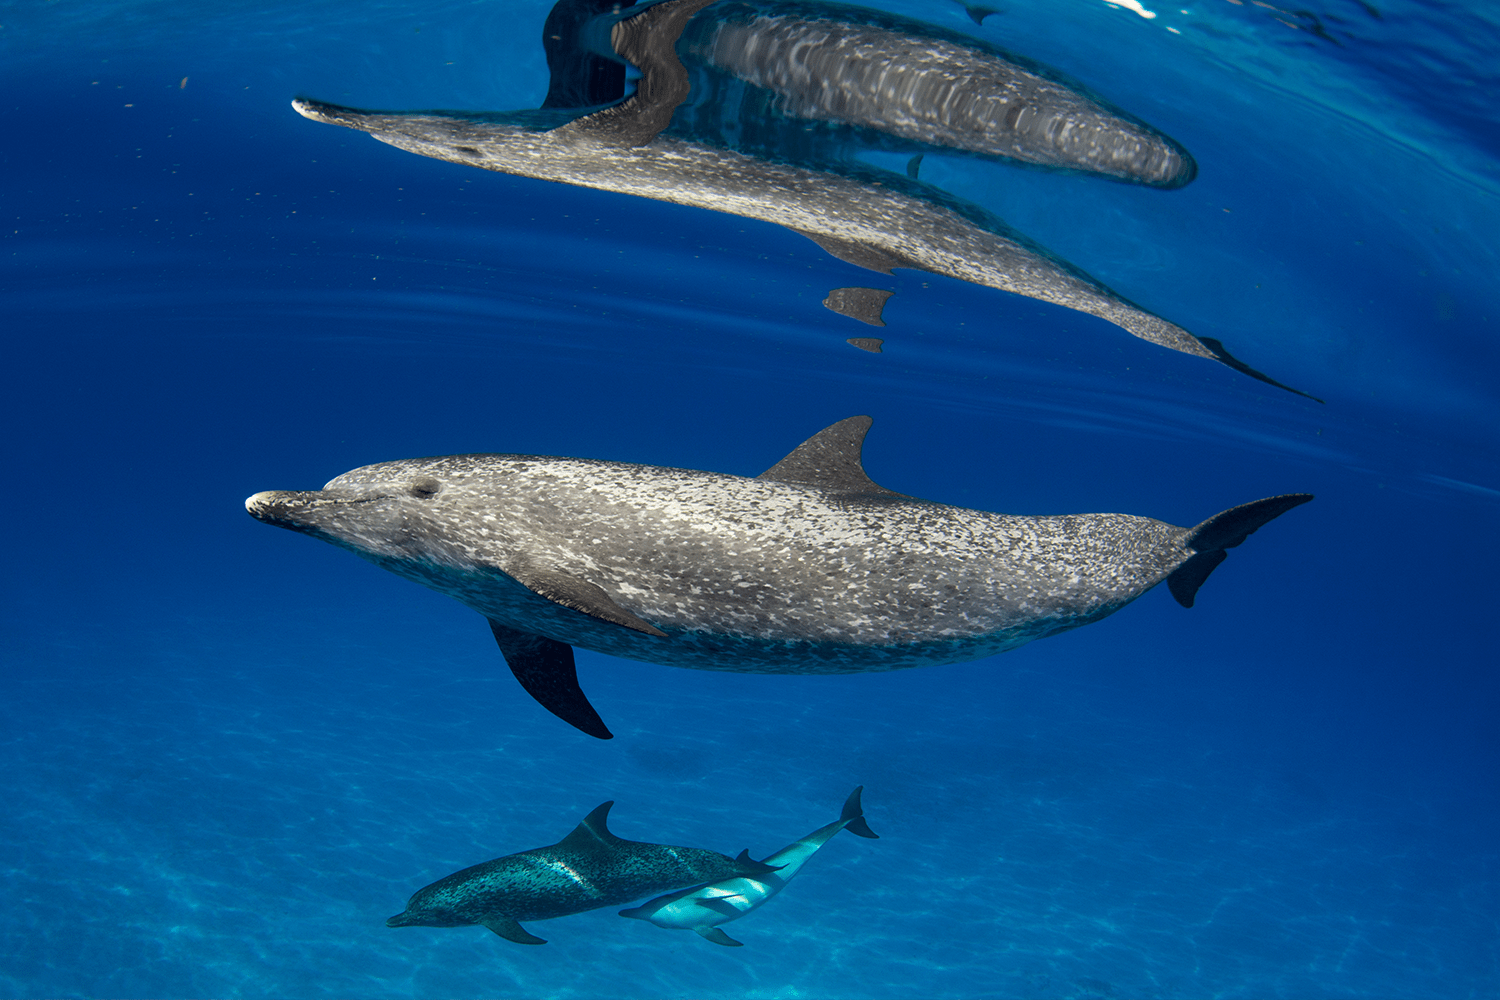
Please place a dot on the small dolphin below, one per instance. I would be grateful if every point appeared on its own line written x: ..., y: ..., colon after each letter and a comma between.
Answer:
x: 704, y: 908
x: 808, y: 568
x: 587, y: 869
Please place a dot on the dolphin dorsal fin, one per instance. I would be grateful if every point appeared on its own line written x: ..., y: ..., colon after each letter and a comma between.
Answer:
x: 830, y: 459
x: 593, y: 832
x: 644, y: 37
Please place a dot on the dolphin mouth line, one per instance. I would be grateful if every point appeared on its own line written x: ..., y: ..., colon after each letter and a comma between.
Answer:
x: 273, y: 510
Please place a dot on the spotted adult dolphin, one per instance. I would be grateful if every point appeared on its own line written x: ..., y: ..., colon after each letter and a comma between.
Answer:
x: 809, y: 568
x: 705, y: 907
x: 873, y: 219
x: 587, y: 869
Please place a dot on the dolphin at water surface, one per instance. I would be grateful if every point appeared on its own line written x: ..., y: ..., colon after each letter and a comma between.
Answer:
x: 906, y: 84
x: 873, y: 219
x: 808, y: 568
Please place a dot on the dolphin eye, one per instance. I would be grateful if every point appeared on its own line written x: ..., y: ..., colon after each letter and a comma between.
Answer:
x: 424, y: 487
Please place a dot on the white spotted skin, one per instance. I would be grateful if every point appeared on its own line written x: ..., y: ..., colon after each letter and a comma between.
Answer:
x: 741, y: 574
x: 556, y: 881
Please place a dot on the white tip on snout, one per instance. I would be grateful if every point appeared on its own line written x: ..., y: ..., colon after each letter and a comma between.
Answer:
x: 259, y: 501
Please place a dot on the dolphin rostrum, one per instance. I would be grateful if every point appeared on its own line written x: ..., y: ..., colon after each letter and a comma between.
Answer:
x: 873, y: 219
x: 808, y: 568
x: 705, y: 907
x: 587, y: 869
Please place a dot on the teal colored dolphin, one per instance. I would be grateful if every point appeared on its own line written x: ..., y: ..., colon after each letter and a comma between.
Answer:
x: 705, y: 907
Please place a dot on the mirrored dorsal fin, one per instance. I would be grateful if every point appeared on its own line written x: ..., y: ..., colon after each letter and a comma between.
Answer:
x: 718, y: 937
x: 722, y: 906
x: 593, y: 832
x: 646, y: 39
x: 830, y: 459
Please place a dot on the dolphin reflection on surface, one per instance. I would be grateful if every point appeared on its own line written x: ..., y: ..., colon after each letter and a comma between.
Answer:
x: 939, y: 89
x: 872, y: 218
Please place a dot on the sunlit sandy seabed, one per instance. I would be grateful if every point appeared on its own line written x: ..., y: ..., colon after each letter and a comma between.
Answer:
x: 227, y: 754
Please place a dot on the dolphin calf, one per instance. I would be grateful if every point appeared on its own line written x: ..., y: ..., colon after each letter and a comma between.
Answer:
x: 587, y: 869
x: 807, y: 568
x: 704, y: 908
x: 873, y: 219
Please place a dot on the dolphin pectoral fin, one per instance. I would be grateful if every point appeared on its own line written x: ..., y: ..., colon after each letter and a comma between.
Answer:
x: 580, y: 595
x: 830, y: 459
x: 546, y: 670
x: 720, y: 905
x: 507, y: 928
x: 1217, y: 346
x: 1223, y: 531
x: 859, y: 254
x: 718, y: 937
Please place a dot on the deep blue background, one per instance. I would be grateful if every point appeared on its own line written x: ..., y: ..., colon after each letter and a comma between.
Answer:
x: 227, y: 754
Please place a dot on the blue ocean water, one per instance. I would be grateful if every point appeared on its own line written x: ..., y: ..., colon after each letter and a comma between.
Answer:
x: 227, y: 753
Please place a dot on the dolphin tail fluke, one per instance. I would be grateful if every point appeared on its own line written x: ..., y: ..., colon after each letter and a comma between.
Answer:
x: 509, y: 929
x: 718, y: 937
x: 1223, y: 355
x: 1224, y: 531
x: 853, y: 816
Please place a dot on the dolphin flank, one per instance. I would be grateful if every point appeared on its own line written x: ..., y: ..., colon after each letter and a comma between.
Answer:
x: 807, y: 568
x: 705, y: 907
x: 587, y: 869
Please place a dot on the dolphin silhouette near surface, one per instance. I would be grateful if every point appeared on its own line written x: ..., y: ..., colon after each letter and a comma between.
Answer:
x: 587, y: 869
x: 808, y: 568
x: 925, y: 87
x: 704, y: 908
x: 873, y: 219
